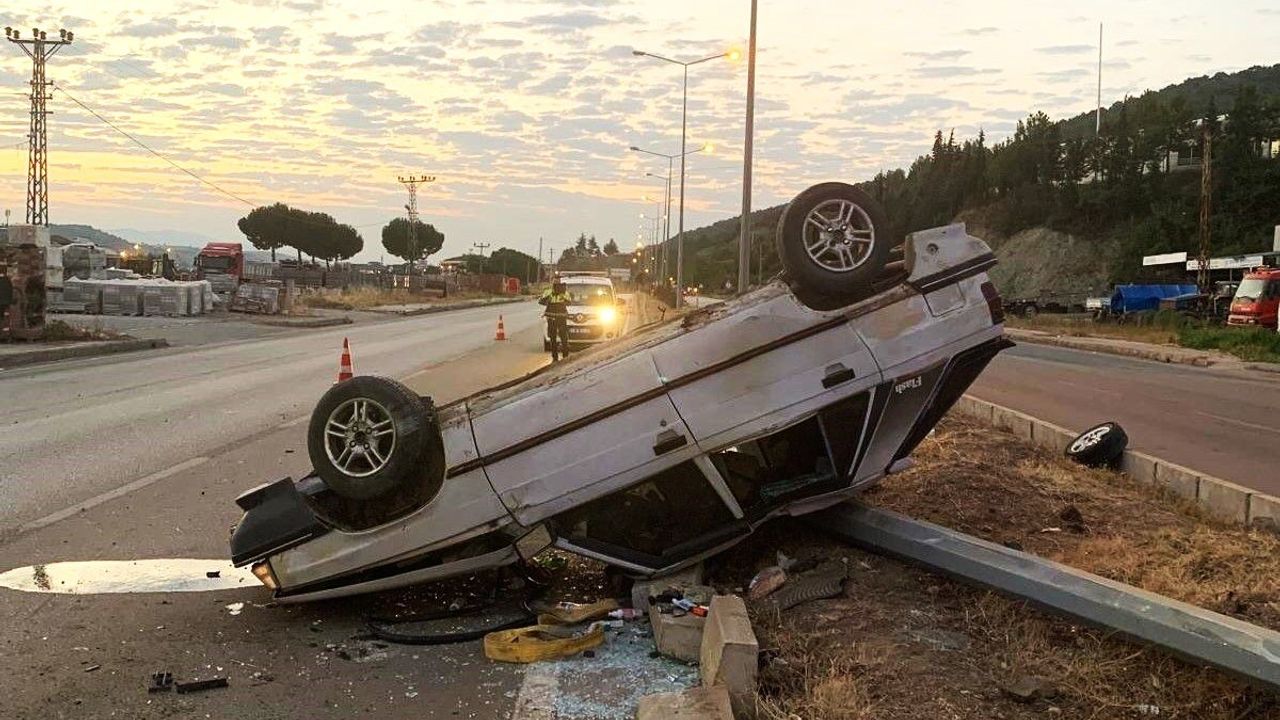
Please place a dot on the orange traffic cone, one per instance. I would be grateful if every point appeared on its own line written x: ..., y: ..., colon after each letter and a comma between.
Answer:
x: 345, y: 371
x: 502, y: 333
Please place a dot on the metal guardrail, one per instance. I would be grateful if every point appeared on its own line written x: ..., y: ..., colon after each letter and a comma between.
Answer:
x: 1195, y: 634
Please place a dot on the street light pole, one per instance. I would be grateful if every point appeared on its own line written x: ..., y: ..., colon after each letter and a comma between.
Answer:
x: 744, y: 239
x: 684, y: 128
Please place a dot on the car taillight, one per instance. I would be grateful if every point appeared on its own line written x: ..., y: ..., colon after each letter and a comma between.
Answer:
x: 994, y: 304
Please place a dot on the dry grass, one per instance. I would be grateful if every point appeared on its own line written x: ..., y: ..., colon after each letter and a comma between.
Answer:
x: 1075, y: 326
x: 872, y: 654
x: 59, y: 331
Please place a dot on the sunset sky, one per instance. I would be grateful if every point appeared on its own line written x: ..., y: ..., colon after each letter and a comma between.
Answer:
x: 524, y: 110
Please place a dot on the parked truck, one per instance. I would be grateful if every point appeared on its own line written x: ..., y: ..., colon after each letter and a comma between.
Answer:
x: 222, y: 264
x: 1257, y: 300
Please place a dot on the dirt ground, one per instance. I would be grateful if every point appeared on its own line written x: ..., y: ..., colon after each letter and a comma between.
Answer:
x: 903, y: 643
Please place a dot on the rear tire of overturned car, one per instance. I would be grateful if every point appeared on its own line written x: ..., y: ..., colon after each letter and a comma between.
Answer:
x: 1099, y: 446
x: 370, y: 436
x: 834, y: 241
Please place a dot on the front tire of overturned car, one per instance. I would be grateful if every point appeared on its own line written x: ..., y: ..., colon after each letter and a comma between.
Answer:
x: 371, y: 436
x: 834, y: 241
x: 1099, y: 446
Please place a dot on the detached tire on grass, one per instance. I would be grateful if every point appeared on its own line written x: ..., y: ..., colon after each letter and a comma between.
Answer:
x: 371, y: 437
x: 1099, y: 446
x: 834, y: 241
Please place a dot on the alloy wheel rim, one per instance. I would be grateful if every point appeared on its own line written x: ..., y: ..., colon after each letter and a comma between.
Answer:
x: 838, y: 235
x: 360, y: 437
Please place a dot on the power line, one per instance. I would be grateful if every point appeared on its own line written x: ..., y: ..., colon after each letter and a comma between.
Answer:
x: 149, y: 149
x: 160, y: 155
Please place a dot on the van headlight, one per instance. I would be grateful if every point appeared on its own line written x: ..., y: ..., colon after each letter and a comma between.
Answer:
x: 607, y: 315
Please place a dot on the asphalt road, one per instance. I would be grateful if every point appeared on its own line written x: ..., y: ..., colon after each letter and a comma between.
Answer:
x: 1225, y: 424
x: 74, y: 431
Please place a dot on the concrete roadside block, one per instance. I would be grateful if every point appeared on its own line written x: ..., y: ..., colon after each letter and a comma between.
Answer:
x: 677, y: 637
x: 974, y: 408
x: 1264, y: 512
x: 1224, y: 500
x: 1011, y: 420
x: 696, y: 703
x: 730, y: 652
x: 642, y: 589
x: 1178, y: 480
x: 1139, y: 466
x: 1050, y: 436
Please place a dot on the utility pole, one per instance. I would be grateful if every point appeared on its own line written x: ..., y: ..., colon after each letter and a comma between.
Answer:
x: 1097, y: 131
x: 412, y: 183
x: 539, y: 259
x: 744, y: 239
x: 1206, y: 204
x: 482, y: 247
x: 39, y: 48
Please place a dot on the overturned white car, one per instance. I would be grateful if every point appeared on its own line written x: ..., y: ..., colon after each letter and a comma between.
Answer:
x: 665, y: 447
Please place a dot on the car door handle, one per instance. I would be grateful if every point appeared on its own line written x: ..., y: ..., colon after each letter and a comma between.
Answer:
x: 837, y: 374
x: 667, y: 441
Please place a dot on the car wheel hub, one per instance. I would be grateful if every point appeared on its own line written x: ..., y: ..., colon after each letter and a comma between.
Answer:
x: 838, y: 235
x: 359, y: 437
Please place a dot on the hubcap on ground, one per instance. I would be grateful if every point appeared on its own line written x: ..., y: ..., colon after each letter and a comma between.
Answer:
x: 838, y: 235
x: 359, y: 437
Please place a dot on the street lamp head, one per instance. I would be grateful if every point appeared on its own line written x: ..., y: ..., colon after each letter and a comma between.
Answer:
x: 635, y: 149
x: 734, y: 55
x: 639, y: 53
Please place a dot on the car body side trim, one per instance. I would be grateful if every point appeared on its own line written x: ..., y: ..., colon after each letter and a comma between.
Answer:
x: 954, y: 274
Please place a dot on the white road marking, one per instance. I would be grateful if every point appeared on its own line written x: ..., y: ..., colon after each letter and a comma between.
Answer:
x: 110, y: 495
x: 538, y: 691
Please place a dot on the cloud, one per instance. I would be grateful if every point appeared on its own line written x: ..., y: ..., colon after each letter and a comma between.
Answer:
x: 938, y: 54
x: 1068, y: 74
x: 1067, y: 49
x: 950, y: 71
x: 981, y: 30
x: 154, y: 28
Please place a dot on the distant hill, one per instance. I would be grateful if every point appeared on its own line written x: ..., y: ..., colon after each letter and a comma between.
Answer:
x: 166, y: 237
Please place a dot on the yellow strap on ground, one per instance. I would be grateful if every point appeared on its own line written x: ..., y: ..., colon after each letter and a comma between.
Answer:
x: 538, y: 642
x: 578, y: 613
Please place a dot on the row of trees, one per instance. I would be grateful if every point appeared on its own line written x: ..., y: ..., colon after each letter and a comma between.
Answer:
x: 271, y: 227
x: 1121, y: 183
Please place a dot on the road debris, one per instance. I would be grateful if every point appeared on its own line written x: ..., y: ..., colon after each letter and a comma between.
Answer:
x: 765, y: 582
x: 1028, y: 689
x: 235, y: 608
x: 161, y: 681
x: 201, y: 685
x: 825, y: 581
x: 541, y: 642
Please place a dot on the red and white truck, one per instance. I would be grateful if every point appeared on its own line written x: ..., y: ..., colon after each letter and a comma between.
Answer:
x: 1257, y: 299
x: 222, y: 264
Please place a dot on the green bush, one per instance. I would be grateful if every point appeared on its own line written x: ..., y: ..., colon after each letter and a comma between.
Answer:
x: 1253, y: 344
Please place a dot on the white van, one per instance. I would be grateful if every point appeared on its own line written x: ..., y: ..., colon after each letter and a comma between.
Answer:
x: 596, y: 314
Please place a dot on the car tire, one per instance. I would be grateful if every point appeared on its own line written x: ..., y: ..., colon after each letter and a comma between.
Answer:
x: 371, y: 436
x: 837, y: 264
x: 1099, y: 446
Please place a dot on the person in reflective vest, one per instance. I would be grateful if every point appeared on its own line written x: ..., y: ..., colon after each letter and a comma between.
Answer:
x: 556, y: 301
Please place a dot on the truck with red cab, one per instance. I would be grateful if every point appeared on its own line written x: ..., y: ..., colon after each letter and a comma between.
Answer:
x: 1257, y: 299
x: 222, y: 264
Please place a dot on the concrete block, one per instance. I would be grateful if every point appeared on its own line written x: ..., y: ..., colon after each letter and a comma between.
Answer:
x: 677, y: 637
x: 730, y: 652
x: 641, y: 590
x: 1224, y: 500
x: 696, y: 703
x: 1178, y: 480
x: 1264, y: 512
x: 972, y: 407
x: 1011, y: 420
x: 1139, y: 466
x: 1050, y: 436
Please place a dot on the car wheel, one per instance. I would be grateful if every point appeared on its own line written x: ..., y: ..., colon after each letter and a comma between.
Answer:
x: 370, y: 436
x: 834, y: 241
x: 1100, y: 446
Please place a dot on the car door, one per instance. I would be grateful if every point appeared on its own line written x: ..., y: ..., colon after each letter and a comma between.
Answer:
x: 762, y: 367
x: 557, y: 443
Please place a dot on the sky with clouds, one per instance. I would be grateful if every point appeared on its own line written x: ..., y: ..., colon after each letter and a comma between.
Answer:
x: 524, y: 110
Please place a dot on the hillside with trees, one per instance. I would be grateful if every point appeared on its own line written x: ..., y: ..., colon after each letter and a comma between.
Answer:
x: 1058, y: 193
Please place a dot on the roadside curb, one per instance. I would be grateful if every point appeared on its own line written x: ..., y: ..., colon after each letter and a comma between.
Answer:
x: 306, y: 322
x: 1220, y: 498
x: 108, y: 347
x: 446, y: 308
x: 1154, y: 352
